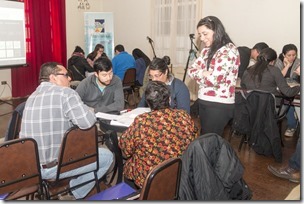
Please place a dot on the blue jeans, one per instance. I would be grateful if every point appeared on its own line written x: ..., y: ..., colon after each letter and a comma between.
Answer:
x: 105, y: 161
x: 295, y: 160
x: 291, y: 120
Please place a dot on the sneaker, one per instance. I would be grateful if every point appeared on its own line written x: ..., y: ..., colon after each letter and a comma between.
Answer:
x: 66, y: 196
x: 286, y: 173
x: 290, y: 132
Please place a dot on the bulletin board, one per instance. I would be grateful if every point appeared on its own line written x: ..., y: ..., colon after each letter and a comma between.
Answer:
x: 99, y: 28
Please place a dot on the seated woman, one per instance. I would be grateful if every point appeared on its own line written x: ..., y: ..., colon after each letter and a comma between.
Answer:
x: 180, y: 96
x: 156, y: 136
x: 264, y: 76
x: 97, y: 52
x: 142, y: 61
x: 288, y: 63
x: 78, y: 66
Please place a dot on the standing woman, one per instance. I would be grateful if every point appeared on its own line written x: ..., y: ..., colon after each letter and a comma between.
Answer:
x: 215, y: 70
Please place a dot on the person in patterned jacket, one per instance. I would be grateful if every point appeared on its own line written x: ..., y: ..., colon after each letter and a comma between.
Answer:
x: 156, y: 136
x: 216, y: 71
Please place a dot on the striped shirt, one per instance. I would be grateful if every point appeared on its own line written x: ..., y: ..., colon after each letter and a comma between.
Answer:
x: 49, y: 112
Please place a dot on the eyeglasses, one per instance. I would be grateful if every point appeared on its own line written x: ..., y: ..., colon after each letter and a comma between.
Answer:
x: 66, y: 75
x: 155, y: 76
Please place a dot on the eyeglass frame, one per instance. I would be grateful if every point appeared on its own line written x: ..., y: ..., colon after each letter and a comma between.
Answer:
x: 155, y: 76
x: 66, y: 74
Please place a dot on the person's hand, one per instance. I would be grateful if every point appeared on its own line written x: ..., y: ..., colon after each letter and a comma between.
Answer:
x: 298, y: 70
x: 207, y: 73
x: 286, y: 62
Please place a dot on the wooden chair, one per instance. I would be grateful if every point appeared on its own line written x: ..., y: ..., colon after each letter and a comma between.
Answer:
x: 20, y: 169
x: 129, y: 84
x: 79, y: 148
x: 162, y: 183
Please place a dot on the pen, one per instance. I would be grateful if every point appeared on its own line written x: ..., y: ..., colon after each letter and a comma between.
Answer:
x: 125, y: 111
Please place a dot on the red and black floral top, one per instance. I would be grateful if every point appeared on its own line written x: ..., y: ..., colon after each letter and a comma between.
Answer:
x: 219, y: 86
x: 154, y: 137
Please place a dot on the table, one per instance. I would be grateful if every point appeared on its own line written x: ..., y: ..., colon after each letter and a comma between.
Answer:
x: 110, y: 136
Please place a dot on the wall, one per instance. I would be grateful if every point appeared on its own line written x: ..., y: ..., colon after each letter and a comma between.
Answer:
x: 5, y: 91
x: 276, y: 22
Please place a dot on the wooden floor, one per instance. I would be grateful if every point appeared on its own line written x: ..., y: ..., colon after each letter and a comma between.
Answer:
x: 264, y: 185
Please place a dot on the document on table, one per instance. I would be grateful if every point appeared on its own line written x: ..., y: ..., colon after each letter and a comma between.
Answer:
x: 125, y: 119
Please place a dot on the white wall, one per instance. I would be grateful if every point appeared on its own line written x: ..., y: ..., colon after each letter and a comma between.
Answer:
x: 276, y: 22
x: 132, y: 20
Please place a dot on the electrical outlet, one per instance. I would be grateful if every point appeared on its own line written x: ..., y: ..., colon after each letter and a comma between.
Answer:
x: 3, y: 82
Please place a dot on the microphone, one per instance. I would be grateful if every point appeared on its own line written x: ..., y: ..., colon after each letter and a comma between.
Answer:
x: 150, y: 40
x: 191, y: 36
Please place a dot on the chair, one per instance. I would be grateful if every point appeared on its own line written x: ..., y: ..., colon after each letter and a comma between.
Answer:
x: 78, y: 148
x: 261, y: 119
x: 15, y: 123
x: 129, y: 84
x: 162, y: 183
x: 20, y: 169
x: 211, y: 170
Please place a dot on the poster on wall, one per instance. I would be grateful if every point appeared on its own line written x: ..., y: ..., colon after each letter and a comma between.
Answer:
x: 99, y: 29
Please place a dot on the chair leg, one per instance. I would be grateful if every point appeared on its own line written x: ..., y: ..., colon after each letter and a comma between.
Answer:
x: 241, y: 142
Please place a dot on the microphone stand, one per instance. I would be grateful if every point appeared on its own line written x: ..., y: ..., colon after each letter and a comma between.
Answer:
x: 151, y: 43
x: 191, y: 53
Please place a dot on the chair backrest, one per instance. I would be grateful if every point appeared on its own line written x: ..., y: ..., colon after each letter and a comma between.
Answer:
x: 15, y: 123
x: 20, y: 167
x: 78, y: 148
x: 162, y: 183
x: 129, y: 77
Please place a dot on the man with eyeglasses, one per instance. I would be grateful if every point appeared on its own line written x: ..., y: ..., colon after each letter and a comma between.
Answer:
x: 49, y: 112
x: 102, y: 91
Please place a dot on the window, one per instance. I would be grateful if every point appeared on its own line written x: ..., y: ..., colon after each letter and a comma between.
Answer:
x: 173, y: 22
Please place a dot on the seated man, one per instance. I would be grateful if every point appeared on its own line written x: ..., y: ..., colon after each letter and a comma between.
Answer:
x: 103, y: 90
x: 122, y: 61
x: 156, y: 136
x: 49, y: 112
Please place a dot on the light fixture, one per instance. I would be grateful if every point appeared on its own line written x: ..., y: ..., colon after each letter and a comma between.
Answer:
x: 83, y: 4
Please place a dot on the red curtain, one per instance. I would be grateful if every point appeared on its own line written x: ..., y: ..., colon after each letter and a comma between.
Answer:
x: 45, y: 41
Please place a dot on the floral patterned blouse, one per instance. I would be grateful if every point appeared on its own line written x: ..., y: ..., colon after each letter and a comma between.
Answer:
x: 153, y: 138
x: 220, y: 85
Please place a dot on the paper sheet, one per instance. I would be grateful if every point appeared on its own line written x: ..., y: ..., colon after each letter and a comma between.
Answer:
x: 125, y: 119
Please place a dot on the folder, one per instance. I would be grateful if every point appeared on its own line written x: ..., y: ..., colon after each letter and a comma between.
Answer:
x: 121, y: 191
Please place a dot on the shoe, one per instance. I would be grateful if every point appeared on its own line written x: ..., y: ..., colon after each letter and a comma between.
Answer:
x: 286, y: 173
x: 66, y: 196
x: 290, y: 132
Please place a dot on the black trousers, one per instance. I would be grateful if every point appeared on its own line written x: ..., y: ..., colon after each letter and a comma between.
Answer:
x: 214, y: 116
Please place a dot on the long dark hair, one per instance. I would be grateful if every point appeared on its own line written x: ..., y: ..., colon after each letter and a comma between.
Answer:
x: 287, y: 48
x: 266, y: 56
x: 93, y: 54
x: 220, y: 37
